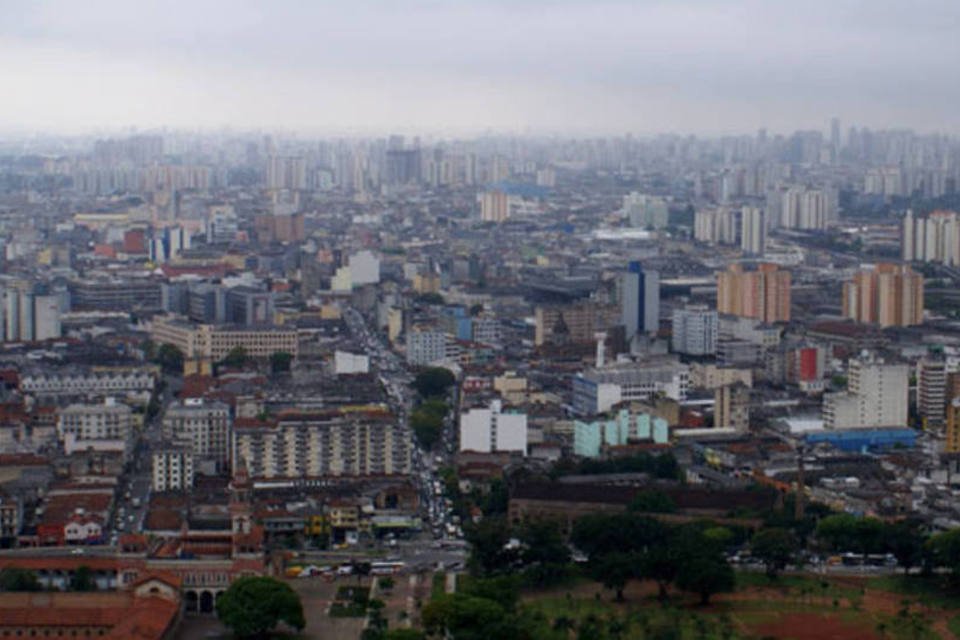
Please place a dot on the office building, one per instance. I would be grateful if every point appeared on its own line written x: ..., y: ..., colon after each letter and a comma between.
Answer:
x: 426, y: 347
x: 106, y: 427
x: 763, y: 293
x: 876, y: 396
x: 753, y: 232
x: 493, y: 430
x: 576, y: 323
x: 640, y: 300
x: 886, y: 294
x: 695, y: 331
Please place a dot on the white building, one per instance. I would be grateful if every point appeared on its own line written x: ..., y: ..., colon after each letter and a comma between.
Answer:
x: 598, y: 390
x: 753, y: 232
x: 172, y: 469
x: 806, y: 208
x: 695, y: 331
x: 129, y: 381
x: 345, y: 363
x: 489, y: 430
x: 102, y: 427
x: 876, y: 396
x: 202, y: 426
x: 364, y: 268
x: 715, y: 226
x: 426, y: 347
x: 642, y: 210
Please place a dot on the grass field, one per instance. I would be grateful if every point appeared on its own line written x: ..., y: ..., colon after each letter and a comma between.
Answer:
x: 798, y: 607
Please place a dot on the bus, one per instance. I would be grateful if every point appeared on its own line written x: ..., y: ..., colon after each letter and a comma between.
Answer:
x: 386, y: 568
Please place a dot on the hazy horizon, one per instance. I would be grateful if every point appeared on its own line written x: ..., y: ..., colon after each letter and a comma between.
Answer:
x: 542, y: 67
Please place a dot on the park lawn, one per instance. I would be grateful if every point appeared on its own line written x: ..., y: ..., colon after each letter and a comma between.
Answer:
x: 931, y: 591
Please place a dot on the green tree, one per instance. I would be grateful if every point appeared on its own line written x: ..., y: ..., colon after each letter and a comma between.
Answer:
x: 433, y: 381
x: 462, y: 617
x: 905, y: 540
x: 427, y: 427
x: 431, y: 299
x: 488, y: 540
x: 705, y: 574
x: 600, y: 533
x: 652, y: 502
x: 403, y: 634
x: 82, y: 579
x: 14, y: 579
x: 661, y: 564
x: 170, y: 359
x: 236, y: 358
x: 614, y: 570
x: 253, y: 606
x: 280, y: 361
x: 544, y: 553
x: 775, y: 548
x: 944, y: 550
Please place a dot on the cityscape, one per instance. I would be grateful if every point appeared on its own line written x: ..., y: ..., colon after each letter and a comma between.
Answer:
x: 501, y: 377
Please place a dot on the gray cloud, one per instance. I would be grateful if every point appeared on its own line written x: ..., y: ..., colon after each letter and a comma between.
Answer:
x: 606, y: 66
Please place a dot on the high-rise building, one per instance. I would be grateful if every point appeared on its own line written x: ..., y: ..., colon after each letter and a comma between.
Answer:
x: 887, y: 294
x: 931, y: 390
x: 876, y: 396
x: 640, y: 300
x: 494, y: 205
x: 695, y: 331
x: 731, y: 408
x: 806, y: 208
x: 642, y: 210
x: 489, y: 430
x: 931, y: 238
x: 715, y: 226
x: 763, y: 293
x: 753, y: 232
x: 952, y: 444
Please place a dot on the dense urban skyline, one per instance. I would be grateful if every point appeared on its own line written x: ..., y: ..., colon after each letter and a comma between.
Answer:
x: 455, y: 68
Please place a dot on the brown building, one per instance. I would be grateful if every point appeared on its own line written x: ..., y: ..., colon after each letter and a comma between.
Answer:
x: 577, y: 323
x: 763, y: 293
x: 887, y: 294
x: 280, y: 228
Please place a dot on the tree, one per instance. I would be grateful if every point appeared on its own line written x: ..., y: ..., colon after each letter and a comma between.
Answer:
x: 280, y: 361
x: 945, y: 551
x: 488, y: 540
x: 14, y: 579
x: 433, y: 381
x: 83, y: 580
x: 170, y: 359
x: 253, y: 606
x: 462, y: 617
x: 775, y: 548
x: 905, y: 540
x: 403, y: 634
x: 544, y: 553
x: 705, y: 574
x: 614, y: 570
x: 599, y: 534
x: 652, y: 502
x: 476, y: 309
x: 661, y: 564
x: 236, y: 358
x: 427, y: 427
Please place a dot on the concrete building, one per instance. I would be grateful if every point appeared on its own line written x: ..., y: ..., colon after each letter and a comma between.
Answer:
x: 876, y: 396
x: 931, y: 238
x: 886, y: 294
x: 491, y: 430
x: 425, y: 347
x: 763, y: 293
x: 731, y: 408
x: 211, y: 342
x: 204, y: 427
x: 345, y: 363
x: 589, y: 438
x: 640, y: 301
x: 711, y: 376
x: 106, y: 427
x: 645, y: 211
x: 298, y: 446
x: 807, y: 208
x: 598, y: 390
x: 753, y: 231
x: 172, y: 469
x: 932, y: 390
x: 576, y: 323
x: 715, y: 226
x: 952, y: 443
x: 695, y: 331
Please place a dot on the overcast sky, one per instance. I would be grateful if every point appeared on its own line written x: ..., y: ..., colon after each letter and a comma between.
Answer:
x: 460, y: 66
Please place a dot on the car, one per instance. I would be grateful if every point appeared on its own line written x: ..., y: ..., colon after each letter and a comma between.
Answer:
x: 77, y: 551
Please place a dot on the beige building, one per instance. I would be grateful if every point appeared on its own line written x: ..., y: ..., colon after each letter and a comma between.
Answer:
x: 886, y: 294
x: 711, y: 376
x: 209, y: 341
x: 732, y: 407
x: 763, y: 294
x: 101, y: 427
x: 577, y: 323
x: 313, y: 445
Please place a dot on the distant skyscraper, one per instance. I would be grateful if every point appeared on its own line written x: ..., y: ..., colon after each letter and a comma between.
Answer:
x: 886, y: 294
x: 753, y: 233
x: 763, y: 294
x: 804, y: 208
x: 643, y: 210
x: 641, y: 300
x: 715, y: 226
